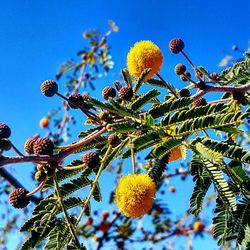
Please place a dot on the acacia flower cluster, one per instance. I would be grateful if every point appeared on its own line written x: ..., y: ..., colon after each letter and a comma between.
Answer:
x: 143, y: 55
x: 135, y: 194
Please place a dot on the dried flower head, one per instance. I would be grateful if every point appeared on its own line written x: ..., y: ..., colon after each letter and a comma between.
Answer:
x: 144, y: 54
x: 135, y: 195
x: 176, y: 45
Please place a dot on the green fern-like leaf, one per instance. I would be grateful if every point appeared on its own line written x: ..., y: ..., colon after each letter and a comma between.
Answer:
x: 166, y: 147
x: 208, y: 122
x: 227, y: 150
x: 209, y: 154
x: 220, y: 183
x: 173, y: 106
x: 203, y: 182
x: 155, y: 83
x: 144, y: 141
x: 233, y: 73
x: 182, y: 116
x: 143, y: 99
x: 220, y: 222
x: 246, y: 240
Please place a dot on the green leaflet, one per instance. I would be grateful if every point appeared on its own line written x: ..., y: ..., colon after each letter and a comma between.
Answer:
x: 215, y: 121
x: 202, y: 184
x: 127, y: 77
x: 246, y: 240
x: 231, y: 74
x: 220, y: 183
x: 144, y: 141
x: 166, y: 147
x: 155, y: 83
x: 97, y: 193
x: 209, y: 154
x: 220, y: 222
x: 227, y: 150
x: 96, y: 143
x: 143, y: 99
x: 176, y: 105
x: 182, y: 116
x: 124, y: 127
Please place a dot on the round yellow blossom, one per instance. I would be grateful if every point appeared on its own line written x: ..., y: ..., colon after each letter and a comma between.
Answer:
x: 144, y: 54
x: 134, y: 195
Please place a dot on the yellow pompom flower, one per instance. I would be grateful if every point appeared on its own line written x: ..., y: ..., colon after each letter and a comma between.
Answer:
x: 134, y: 195
x: 144, y: 54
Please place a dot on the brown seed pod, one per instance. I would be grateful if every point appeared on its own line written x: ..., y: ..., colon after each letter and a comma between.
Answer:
x: 5, y: 131
x: 126, y: 93
x: 49, y: 88
x: 184, y: 77
x: 75, y: 101
x: 200, y: 102
x: 113, y: 140
x: 176, y: 45
x: 108, y: 92
x: 43, y: 146
x: 28, y: 146
x: 18, y: 198
x: 180, y: 69
x: 91, y: 159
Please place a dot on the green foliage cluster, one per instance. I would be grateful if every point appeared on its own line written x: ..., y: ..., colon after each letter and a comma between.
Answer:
x: 143, y: 125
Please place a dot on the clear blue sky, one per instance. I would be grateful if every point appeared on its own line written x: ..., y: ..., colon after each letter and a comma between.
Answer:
x: 36, y: 36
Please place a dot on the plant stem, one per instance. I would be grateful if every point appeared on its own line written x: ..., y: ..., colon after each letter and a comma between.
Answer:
x: 133, y: 158
x: 94, y: 183
x: 167, y: 86
x: 210, y: 88
x: 43, y: 159
x: 185, y: 55
x: 71, y: 228
x: 75, y: 167
x: 37, y: 189
x: 15, y: 149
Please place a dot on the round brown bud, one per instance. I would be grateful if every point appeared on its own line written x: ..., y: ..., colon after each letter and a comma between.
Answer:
x: 91, y: 159
x: 113, y: 140
x: 180, y: 69
x: 28, y: 146
x: 49, y: 88
x: 126, y: 93
x: 5, y: 131
x: 176, y: 45
x: 200, y: 102
x: 75, y: 100
x: 43, y: 146
x: 185, y: 76
x: 18, y: 198
x: 5, y: 144
x: 108, y: 92
x: 184, y: 93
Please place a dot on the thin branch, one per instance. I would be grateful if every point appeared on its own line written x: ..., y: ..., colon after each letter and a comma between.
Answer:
x: 210, y: 88
x: 43, y: 159
x: 15, y: 183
